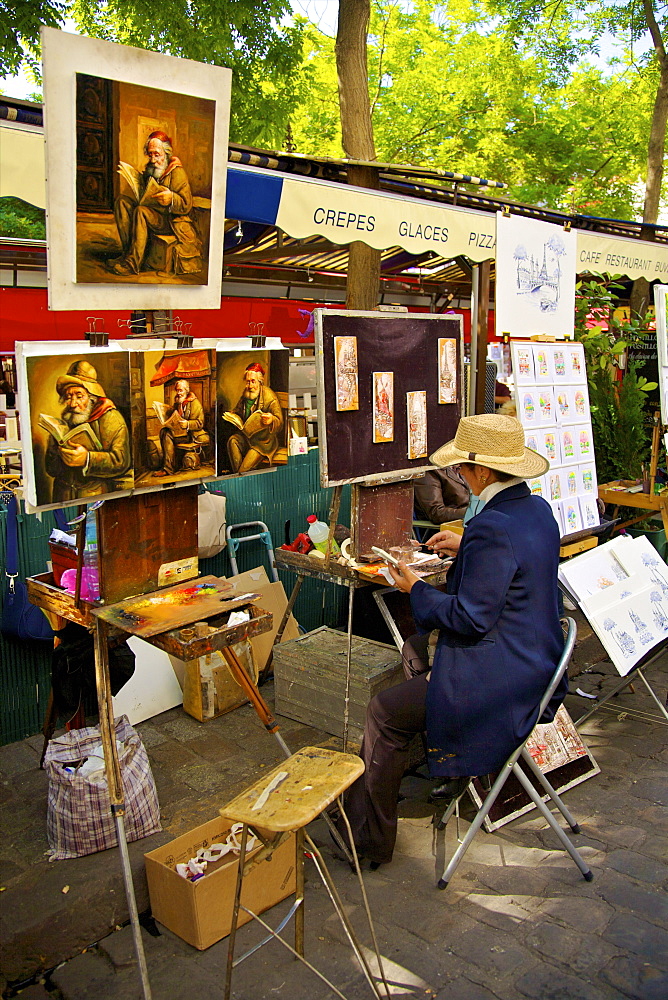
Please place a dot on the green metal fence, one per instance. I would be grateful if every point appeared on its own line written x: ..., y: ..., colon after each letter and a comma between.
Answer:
x: 288, y: 494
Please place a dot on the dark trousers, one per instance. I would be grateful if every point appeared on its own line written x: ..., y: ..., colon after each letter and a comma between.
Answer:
x: 393, y: 718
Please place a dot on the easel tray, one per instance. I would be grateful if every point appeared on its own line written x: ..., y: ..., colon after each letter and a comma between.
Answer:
x: 220, y: 635
x: 47, y: 595
x: 173, y: 607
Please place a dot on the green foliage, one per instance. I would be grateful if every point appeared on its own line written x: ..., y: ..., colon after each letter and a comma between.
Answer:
x: 19, y: 220
x: 450, y: 88
x: 246, y: 36
x: 619, y: 421
x: 20, y: 21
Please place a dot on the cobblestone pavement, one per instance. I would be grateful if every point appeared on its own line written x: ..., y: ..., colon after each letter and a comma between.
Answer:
x: 517, y: 921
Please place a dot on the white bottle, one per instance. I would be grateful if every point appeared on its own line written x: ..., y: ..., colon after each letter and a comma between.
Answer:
x: 318, y: 532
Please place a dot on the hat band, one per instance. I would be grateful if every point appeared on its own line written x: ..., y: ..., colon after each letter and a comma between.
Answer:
x: 481, y: 459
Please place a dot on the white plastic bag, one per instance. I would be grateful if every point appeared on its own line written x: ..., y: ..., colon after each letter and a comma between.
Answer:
x: 210, y: 524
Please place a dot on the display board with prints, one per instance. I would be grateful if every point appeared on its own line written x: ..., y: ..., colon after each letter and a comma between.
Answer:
x: 553, y: 407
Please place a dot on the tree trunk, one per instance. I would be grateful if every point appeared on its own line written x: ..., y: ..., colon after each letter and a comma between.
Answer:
x: 357, y: 133
x: 655, y: 153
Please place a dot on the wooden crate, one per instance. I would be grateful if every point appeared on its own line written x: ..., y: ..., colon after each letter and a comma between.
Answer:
x: 310, y: 678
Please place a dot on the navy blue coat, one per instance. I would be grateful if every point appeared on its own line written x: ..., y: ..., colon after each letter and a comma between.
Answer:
x: 500, y: 638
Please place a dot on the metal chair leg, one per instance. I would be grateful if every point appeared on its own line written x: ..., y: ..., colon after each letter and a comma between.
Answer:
x: 453, y: 864
x: 558, y: 801
x: 540, y: 805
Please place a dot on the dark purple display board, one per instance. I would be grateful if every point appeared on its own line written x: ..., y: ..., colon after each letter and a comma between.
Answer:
x: 405, y: 344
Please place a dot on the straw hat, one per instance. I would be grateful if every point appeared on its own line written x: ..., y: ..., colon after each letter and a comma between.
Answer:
x: 80, y: 373
x: 495, y: 441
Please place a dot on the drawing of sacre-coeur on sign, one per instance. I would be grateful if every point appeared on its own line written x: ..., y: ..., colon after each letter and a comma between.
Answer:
x: 587, y: 483
x: 569, y: 448
x: 523, y: 366
x: 589, y: 512
x: 546, y: 404
x: 528, y: 410
x: 542, y: 360
x: 584, y: 442
x: 575, y: 363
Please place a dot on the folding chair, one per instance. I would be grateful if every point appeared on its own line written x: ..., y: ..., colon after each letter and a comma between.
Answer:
x: 511, y: 766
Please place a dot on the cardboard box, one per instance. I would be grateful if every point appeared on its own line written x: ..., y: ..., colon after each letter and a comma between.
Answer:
x: 201, y: 912
x: 272, y: 598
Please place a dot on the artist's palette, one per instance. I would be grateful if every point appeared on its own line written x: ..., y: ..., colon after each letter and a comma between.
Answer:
x: 191, y: 601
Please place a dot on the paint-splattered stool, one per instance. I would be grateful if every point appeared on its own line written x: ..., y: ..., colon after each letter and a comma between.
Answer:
x: 283, y: 802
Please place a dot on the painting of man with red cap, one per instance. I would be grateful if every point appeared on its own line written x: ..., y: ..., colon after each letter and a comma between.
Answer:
x: 144, y: 184
x: 158, y: 203
x: 80, y: 441
x: 259, y: 436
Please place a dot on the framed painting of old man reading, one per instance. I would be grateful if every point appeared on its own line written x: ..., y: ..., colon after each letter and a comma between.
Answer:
x: 135, y: 176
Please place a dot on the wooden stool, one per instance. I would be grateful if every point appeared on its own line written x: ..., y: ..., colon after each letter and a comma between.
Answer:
x: 284, y: 801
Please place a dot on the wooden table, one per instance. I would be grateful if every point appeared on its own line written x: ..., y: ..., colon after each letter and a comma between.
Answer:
x: 657, y: 503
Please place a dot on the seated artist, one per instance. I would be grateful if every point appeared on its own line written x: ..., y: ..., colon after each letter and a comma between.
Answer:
x: 441, y: 495
x: 499, y: 642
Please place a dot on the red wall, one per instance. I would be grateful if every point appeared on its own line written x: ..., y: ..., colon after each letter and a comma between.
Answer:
x: 24, y: 316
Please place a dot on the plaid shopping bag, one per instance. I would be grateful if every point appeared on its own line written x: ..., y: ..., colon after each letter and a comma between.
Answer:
x: 79, y: 819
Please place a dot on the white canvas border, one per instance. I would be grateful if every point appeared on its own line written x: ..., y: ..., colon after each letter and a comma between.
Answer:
x: 64, y: 55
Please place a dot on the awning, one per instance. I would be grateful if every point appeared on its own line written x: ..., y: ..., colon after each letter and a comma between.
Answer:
x: 341, y: 213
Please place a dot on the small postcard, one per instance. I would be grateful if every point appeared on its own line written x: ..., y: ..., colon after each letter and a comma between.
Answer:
x: 587, y: 482
x: 575, y: 364
x: 546, y: 410
x: 523, y: 366
x: 416, y: 412
x: 559, y: 365
x: 542, y: 359
x: 555, y: 486
x: 570, y: 513
x: 569, y: 449
x: 447, y: 370
x: 528, y: 409
x: 537, y: 486
x: 383, y: 407
x: 550, y: 445
x: 584, y: 443
x: 345, y: 373
x: 589, y: 512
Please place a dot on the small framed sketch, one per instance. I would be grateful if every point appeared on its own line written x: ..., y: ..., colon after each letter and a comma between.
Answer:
x: 570, y: 479
x: 570, y: 513
x: 345, y: 373
x: 528, y: 406
x: 383, y: 407
x: 542, y: 359
x: 587, y: 484
x: 550, y: 445
x: 546, y: 405
x: 447, y: 370
x: 589, y: 512
x: 584, y: 443
x: 523, y: 364
x: 559, y: 365
x: 537, y: 486
x: 575, y: 363
x: 555, y: 486
x: 416, y: 411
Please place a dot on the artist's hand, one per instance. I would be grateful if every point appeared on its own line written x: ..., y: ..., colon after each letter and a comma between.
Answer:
x: 446, y: 542
x: 163, y: 197
x: 403, y: 577
x: 266, y: 419
x: 183, y: 425
x: 74, y: 456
